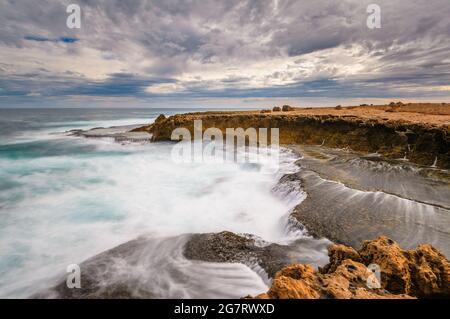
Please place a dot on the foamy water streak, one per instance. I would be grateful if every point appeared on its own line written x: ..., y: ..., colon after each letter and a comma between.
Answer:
x: 150, y: 267
x: 74, y: 197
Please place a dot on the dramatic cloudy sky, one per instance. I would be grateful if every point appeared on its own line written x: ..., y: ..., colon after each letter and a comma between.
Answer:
x: 226, y: 53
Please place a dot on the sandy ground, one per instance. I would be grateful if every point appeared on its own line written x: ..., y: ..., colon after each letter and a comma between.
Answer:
x: 430, y: 113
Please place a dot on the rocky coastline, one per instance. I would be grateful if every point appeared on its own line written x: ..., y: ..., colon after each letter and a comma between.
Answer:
x: 394, y: 132
x: 403, y: 274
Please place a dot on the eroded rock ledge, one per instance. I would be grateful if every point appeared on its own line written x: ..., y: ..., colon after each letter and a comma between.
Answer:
x: 233, y: 248
x: 422, y: 143
x: 420, y: 273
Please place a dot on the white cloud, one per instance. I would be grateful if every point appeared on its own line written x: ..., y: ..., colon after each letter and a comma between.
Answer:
x: 165, y: 88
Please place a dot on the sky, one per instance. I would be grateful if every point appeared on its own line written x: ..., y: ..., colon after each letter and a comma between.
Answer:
x: 229, y: 53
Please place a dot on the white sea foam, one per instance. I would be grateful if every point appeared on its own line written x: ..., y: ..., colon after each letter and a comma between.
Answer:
x: 67, y: 208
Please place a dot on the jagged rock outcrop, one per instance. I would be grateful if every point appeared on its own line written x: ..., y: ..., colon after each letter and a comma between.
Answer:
x: 421, y: 273
x: 160, y: 118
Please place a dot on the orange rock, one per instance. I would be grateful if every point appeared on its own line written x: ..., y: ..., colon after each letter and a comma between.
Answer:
x: 405, y: 274
x: 384, y: 252
x: 337, y: 254
x: 295, y: 282
x: 431, y: 274
x: 423, y: 272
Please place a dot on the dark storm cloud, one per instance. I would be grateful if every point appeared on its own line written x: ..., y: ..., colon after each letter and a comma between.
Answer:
x: 231, y: 48
x: 120, y: 84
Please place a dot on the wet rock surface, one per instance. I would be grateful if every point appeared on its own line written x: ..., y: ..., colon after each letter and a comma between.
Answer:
x: 102, y: 277
x: 158, y: 268
x: 371, y: 172
x: 350, y: 198
x: 419, y: 273
x: 118, y: 133
x: 233, y: 248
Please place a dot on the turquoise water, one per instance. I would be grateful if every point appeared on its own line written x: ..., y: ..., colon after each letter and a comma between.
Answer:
x: 64, y: 199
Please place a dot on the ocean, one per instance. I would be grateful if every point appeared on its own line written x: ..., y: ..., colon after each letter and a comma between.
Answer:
x: 64, y: 199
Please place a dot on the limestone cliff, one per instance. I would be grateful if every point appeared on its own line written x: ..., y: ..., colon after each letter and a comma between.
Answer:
x: 421, y: 142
